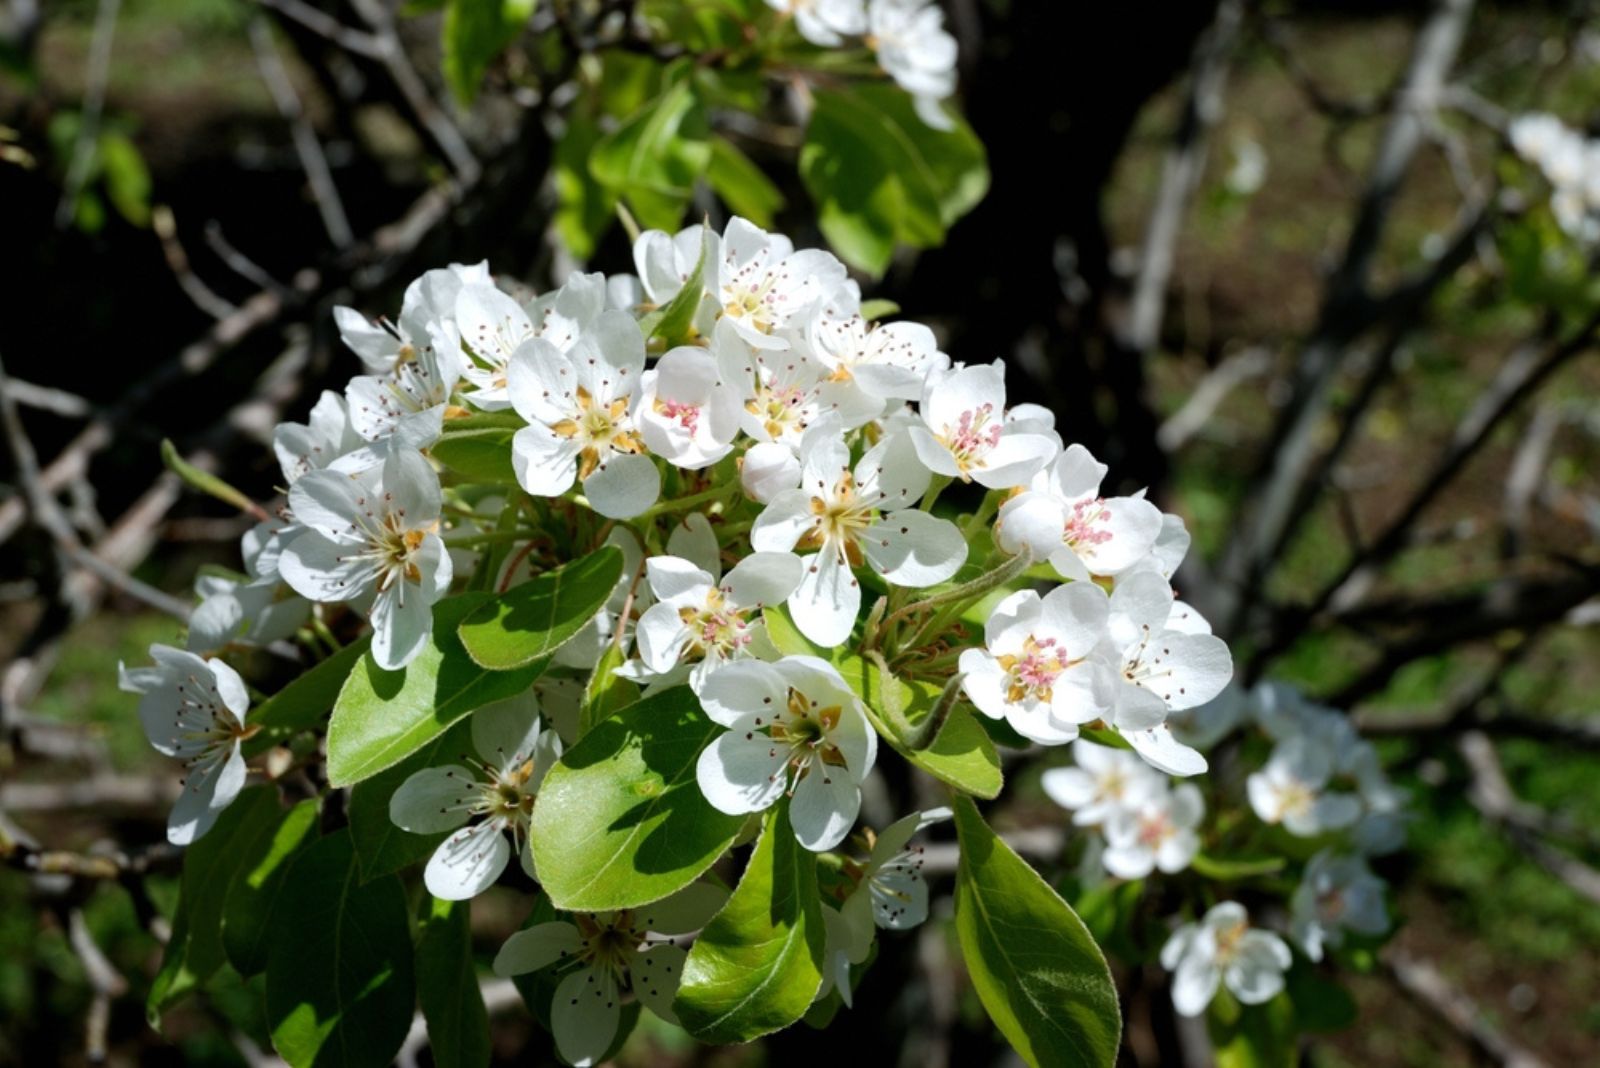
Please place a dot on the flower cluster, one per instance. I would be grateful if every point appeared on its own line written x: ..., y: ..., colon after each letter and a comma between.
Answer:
x: 1145, y: 821
x: 759, y: 452
x: 1570, y: 162
x: 907, y: 36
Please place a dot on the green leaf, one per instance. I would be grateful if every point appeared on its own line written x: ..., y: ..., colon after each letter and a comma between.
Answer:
x: 674, y: 324
x: 1321, y: 1005
x: 339, y: 977
x: 873, y: 310
x: 880, y: 176
x: 1032, y: 961
x: 607, y: 692
x: 742, y: 185
x: 620, y: 820
x: 194, y: 951
x: 585, y: 208
x: 532, y: 620
x: 1253, y: 1036
x: 205, y: 482
x: 381, y: 847
x: 253, y: 893
x: 1234, y: 869
x: 962, y: 756
x: 301, y: 705
x: 473, y: 34
x: 127, y: 179
x: 478, y: 447
x: 758, y: 964
x: 382, y: 717
x: 655, y: 157
x: 447, y: 986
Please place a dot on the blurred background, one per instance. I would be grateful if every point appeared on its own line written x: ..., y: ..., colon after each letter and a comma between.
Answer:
x: 1273, y: 261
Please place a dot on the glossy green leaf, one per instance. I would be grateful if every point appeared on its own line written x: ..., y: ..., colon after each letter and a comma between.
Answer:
x: 1032, y: 961
x: 382, y: 717
x: 478, y: 447
x: 742, y: 185
x: 620, y: 820
x: 757, y: 965
x: 963, y: 755
x: 340, y: 986
x: 381, y: 847
x: 254, y: 891
x: 585, y: 209
x: 607, y: 692
x: 880, y: 176
x: 447, y: 986
x: 674, y: 324
x: 473, y: 34
x: 194, y: 951
x: 303, y: 703
x: 655, y: 157
x: 532, y: 620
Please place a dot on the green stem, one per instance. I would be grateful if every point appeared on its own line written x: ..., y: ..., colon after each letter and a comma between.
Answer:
x: 710, y: 496
x: 985, y: 512
x: 488, y: 537
x: 935, y: 488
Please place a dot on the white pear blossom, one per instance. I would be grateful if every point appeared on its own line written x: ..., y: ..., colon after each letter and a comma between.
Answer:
x: 193, y: 709
x: 825, y: 23
x: 1106, y: 781
x: 784, y: 392
x: 494, y: 326
x: 892, y: 876
x: 764, y: 287
x: 580, y: 406
x: 251, y: 612
x: 964, y: 432
x: 602, y: 958
x: 701, y: 620
x: 1035, y: 671
x: 687, y: 415
x: 1292, y: 789
x: 793, y: 727
x: 427, y: 316
x: 1156, y: 833
x: 665, y: 262
x: 879, y: 361
x: 916, y: 50
x: 1062, y: 518
x: 486, y: 802
x: 372, y: 533
x: 767, y: 469
x: 869, y: 515
x: 1156, y: 667
x: 1223, y: 949
x: 310, y: 446
x: 1337, y: 893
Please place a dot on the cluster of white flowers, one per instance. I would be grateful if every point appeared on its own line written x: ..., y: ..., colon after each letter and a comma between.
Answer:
x: 832, y: 438
x: 907, y: 36
x: 1146, y: 822
x: 1570, y: 162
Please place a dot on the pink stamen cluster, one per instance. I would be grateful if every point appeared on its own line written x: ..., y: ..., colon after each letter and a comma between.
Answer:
x: 973, y: 434
x: 1081, y: 530
x: 687, y: 415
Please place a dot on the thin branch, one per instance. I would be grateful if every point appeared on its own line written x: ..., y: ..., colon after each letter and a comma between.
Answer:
x: 325, y: 25
x: 1180, y: 174
x: 194, y: 287
x: 1426, y: 985
x: 86, y: 145
x: 306, y: 145
x: 242, y: 265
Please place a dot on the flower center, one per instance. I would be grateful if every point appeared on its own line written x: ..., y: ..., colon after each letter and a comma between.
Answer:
x: 1034, y: 671
x: 779, y: 408
x: 608, y: 941
x: 717, y: 630
x: 600, y: 429
x: 751, y: 300
x: 806, y: 730
x: 839, y: 520
x: 1084, y: 528
x: 685, y: 415
x: 1228, y: 941
x: 1154, y: 829
x: 974, y: 434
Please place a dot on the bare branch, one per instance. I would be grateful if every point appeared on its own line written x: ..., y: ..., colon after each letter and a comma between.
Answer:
x: 1425, y: 985
x: 306, y: 145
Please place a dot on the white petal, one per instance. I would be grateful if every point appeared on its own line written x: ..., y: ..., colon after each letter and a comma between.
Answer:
x: 743, y: 690
x: 824, y: 807
x: 763, y: 579
x: 785, y: 519
x: 739, y: 773
x: 1193, y: 987
x: 204, y: 797
x: 656, y: 974
x: 660, y: 636
x: 1076, y: 616
x: 1014, y: 459
x: 624, y: 486
x: 828, y: 599
x: 1164, y: 752
x: 323, y: 570
x: 545, y: 463
x: 468, y: 862
x: 507, y: 732
x: 433, y: 800
x: 402, y: 622
x: 694, y: 540
x: 537, y: 947
x: 584, y: 1016
x: 913, y: 548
